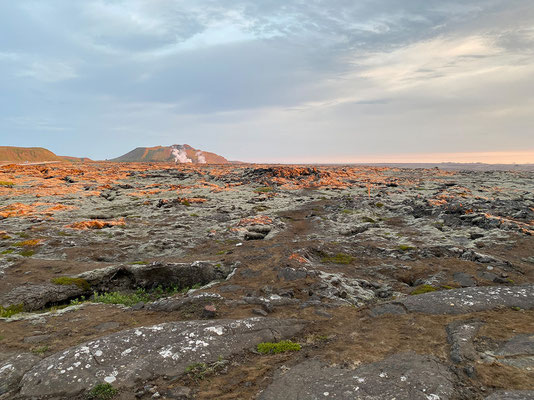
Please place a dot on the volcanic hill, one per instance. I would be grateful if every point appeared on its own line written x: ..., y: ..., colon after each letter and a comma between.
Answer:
x: 176, y: 153
x: 33, y: 155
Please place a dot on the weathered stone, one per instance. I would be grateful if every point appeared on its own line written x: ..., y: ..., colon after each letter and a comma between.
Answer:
x: 405, y: 376
x: 464, y: 280
x: 512, y: 395
x: 254, y: 236
x: 461, y: 301
x: 36, y: 297
x: 175, y: 304
x: 460, y: 335
x: 37, y: 338
x: 12, y: 370
x: 517, y: 352
x: 128, y: 357
x: 292, y: 274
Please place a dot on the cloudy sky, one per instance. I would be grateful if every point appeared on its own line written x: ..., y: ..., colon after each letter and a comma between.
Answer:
x: 271, y: 80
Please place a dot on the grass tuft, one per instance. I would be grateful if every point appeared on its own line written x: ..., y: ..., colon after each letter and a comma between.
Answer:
x: 339, y: 258
x: 7, y: 312
x: 102, y: 391
x: 423, y: 289
x: 65, y: 280
x: 280, y: 347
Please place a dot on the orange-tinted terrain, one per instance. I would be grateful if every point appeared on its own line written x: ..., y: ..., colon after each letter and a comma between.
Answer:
x: 369, y: 271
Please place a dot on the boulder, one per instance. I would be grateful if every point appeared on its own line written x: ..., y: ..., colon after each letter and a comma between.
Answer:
x: 403, y: 376
x: 126, y: 358
x: 461, y: 301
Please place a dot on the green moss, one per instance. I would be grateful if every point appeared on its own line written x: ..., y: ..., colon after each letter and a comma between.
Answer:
x: 27, y: 253
x: 66, y: 280
x: 404, y: 247
x: 102, y: 391
x: 266, y: 189
x: 7, y: 184
x: 8, y: 251
x: 40, y: 350
x: 423, y: 289
x: 379, y: 205
x: 7, y: 312
x: 516, y: 308
x: 139, y: 263
x: 346, y: 211
x: 280, y: 347
x: 23, y: 235
x: 186, y: 203
x: 339, y: 258
x: 447, y: 287
x: 369, y: 219
x: 194, y: 215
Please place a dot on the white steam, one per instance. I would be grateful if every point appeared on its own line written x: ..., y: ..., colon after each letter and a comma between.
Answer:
x: 200, y: 157
x: 180, y: 155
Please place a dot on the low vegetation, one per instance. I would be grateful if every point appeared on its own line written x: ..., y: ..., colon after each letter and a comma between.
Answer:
x: 339, y: 258
x: 404, y: 247
x: 7, y: 312
x: 280, y: 347
x: 65, y: 280
x: 102, y: 391
x: 7, y: 184
x: 199, y: 371
x: 423, y: 289
x: 130, y: 299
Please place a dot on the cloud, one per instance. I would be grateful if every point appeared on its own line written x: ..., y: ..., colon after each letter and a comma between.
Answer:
x: 330, y: 77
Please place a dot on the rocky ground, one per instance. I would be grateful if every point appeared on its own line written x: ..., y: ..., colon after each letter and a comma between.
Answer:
x: 159, y: 281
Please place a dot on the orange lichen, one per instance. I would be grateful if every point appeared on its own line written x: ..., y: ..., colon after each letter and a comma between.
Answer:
x: 298, y: 258
x: 95, y: 224
x: 30, y: 243
x: 258, y: 220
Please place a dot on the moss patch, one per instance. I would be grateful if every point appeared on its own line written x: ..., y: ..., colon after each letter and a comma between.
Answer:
x: 8, y: 312
x: 423, y: 289
x: 103, y: 391
x: 404, y: 247
x: 280, y: 347
x: 65, y: 280
x: 27, y: 253
x: 339, y: 258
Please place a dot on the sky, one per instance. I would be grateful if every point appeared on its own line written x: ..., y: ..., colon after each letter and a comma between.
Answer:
x: 271, y: 80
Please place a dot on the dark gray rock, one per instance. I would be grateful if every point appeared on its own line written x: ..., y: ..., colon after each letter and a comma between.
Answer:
x: 512, y: 395
x: 405, y: 376
x: 123, y: 277
x: 132, y: 356
x: 517, y: 352
x: 254, y: 236
x: 263, y: 229
x: 37, y: 338
x: 462, y: 301
x: 460, y: 335
x: 464, y: 280
x: 36, y: 297
x: 13, y: 369
x: 177, y: 303
x: 292, y: 274
x: 106, y: 326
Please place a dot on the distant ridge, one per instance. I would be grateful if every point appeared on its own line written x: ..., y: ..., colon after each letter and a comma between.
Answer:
x: 33, y: 155
x: 181, y: 154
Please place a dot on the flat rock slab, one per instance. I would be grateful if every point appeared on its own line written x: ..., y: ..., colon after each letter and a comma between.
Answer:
x: 460, y: 335
x: 512, y: 395
x: 461, y: 301
x: 403, y: 376
x: 128, y: 357
x: 12, y: 370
